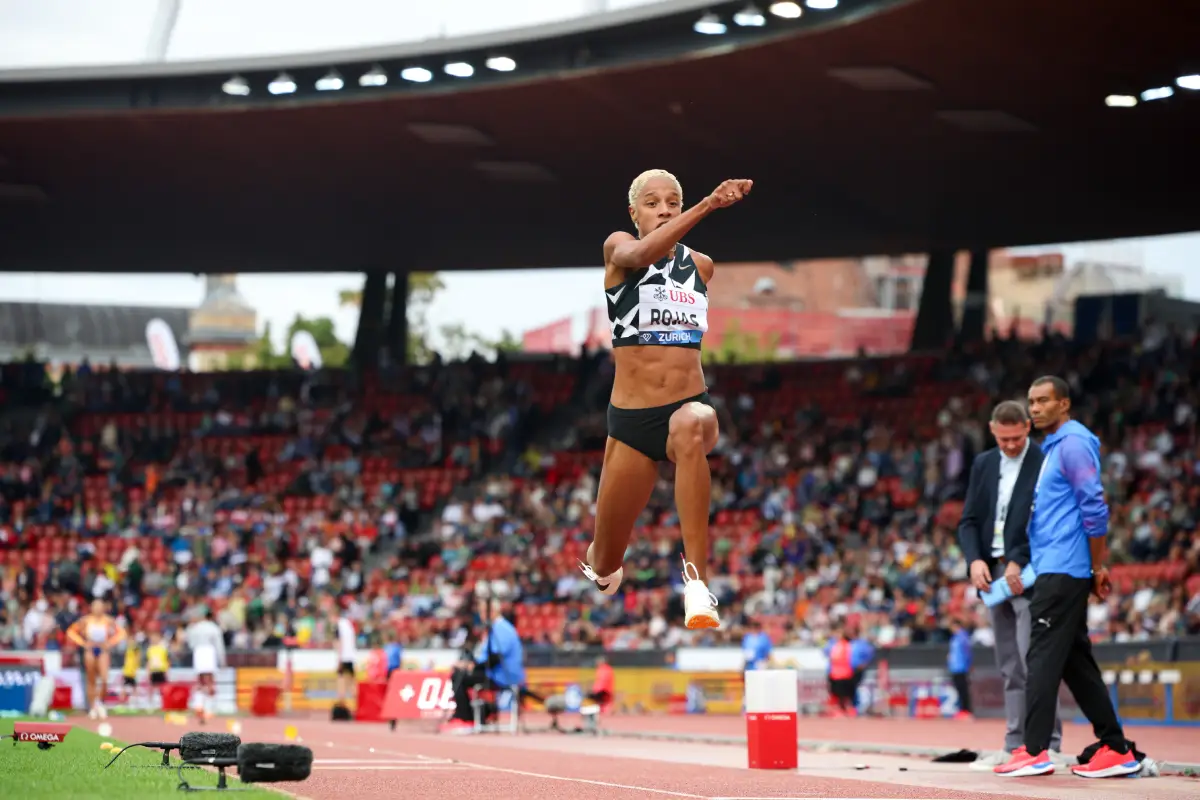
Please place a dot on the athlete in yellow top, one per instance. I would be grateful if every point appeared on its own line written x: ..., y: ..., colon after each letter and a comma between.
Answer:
x: 129, y: 672
x: 96, y: 634
x: 158, y: 661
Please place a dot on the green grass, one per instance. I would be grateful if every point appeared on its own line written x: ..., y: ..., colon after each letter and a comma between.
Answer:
x: 74, y: 770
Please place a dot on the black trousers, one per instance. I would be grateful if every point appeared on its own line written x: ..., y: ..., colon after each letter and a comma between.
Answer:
x: 962, y: 685
x: 1060, y: 650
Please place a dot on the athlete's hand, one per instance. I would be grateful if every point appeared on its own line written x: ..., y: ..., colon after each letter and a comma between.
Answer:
x: 729, y: 192
x: 1101, y: 583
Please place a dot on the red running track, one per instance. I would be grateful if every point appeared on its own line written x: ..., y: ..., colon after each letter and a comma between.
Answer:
x: 1178, y: 744
x: 368, y: 762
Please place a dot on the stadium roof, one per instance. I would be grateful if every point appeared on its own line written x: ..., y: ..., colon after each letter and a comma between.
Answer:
x: 63, y: 332
x: 981, y: 124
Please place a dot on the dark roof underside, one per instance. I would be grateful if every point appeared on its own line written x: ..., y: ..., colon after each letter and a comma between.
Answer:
x: 838, y: 170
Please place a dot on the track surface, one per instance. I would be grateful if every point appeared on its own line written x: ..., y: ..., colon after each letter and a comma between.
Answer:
x: 1162, y: 743
x: 369, y: 762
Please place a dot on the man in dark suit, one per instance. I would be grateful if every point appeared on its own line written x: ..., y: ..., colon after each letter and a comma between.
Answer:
x: 994, y: 539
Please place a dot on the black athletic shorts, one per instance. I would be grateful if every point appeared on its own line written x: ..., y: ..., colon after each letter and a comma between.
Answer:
x: 130, y: 681
x: 646, y: 429
x: 158, y: 678
x: 346, y: 668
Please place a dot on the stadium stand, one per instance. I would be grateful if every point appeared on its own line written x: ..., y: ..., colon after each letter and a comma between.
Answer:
x: 836, y: 489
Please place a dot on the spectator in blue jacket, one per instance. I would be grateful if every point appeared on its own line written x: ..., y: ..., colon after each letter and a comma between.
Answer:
x: 756, y: 646
x: 958, y: 664
x: 1068, y: 531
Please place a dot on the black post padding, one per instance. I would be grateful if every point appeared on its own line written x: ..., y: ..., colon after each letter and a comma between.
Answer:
x: 273, y: 763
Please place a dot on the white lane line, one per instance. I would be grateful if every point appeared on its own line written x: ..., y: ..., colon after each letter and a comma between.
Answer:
x: 427, y: 762
x: 392, y: 768
x: 605, y: 784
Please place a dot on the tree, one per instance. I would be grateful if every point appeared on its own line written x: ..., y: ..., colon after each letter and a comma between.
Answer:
x: 458, y: 343
x: 740, y: 347
x: 262, y: 354
x: 423, y: 287
x: 333, y: 352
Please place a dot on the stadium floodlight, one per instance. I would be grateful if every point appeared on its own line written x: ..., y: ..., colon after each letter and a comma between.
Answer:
x: 459, y: 69
x: 787, y: 10
x: 750, y: 17
x: 821, y: 5
x: 283, y: 84
x: 331, y: 82
x: 709, y: 25
x: 1190, y: 82
x: 1158, y: 93
x: 236, y: 86
x: 375, y: 76
x: 416, y: 75
x: 1120, y: 101
x: 501, y: 64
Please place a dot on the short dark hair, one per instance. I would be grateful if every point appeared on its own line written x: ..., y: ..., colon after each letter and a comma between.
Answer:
x: 1062, y: 389
x: 1010, y: 412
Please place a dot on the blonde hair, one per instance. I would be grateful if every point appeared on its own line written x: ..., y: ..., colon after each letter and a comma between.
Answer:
x: 639, y: 183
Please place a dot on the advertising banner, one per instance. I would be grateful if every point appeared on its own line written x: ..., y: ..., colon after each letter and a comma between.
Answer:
x: 1152, y: 692
x: 418, y: 695
x: 650, y: 690
x: 16, y: 685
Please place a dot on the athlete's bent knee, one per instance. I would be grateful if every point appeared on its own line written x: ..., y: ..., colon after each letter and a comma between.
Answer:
x: 686, y: 436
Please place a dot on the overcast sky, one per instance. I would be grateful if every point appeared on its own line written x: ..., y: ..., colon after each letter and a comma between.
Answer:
x: 486, y: 302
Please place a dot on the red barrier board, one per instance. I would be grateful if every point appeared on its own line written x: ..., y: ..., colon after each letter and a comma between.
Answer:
x: 40, y: 731
x: 418, y: 695
x: 371, y: 696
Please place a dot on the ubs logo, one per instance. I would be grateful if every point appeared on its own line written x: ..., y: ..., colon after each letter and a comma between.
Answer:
x: 660, y: 293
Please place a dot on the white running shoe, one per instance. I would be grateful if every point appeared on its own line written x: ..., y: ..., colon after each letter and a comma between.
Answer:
x: 988, y: 763
x: 699, y: 604
x: 607, y: 585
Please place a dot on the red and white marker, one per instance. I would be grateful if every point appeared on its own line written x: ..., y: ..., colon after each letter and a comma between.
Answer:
x: 772, y: 704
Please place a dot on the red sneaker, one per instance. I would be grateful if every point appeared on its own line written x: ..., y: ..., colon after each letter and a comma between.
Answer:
x: 1023, y: 765
x: 1108, y: 763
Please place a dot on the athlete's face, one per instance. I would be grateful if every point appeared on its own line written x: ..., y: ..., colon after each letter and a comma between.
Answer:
x: 657, y: 205
x: 1046, y: 407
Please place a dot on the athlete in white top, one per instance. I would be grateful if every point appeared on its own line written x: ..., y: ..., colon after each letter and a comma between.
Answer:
x: 347, y: 655
x: 206, y: 640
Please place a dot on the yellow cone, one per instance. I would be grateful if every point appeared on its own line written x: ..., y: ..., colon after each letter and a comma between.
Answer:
x: 290, y: 732
x: 106, y: 745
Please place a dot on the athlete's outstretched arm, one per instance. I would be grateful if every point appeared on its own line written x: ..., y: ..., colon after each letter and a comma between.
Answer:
x: 624, y: 251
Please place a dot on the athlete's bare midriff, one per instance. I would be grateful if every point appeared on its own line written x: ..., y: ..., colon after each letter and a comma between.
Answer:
x: 655, y: 375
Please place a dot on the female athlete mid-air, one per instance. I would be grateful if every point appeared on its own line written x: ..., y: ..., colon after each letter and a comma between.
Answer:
x: 657, y: 291
x: 96, y: 634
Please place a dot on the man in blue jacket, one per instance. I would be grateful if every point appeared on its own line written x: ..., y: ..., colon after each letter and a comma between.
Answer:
x: 1068, y: 530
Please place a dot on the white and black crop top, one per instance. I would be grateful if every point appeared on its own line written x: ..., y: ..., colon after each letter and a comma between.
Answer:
x: 663, y: 304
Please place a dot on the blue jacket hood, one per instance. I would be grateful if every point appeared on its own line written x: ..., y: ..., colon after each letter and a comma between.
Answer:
x: 1071, y: 428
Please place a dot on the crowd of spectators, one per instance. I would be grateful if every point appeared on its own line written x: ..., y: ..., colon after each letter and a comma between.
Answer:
x: 836, y: 488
